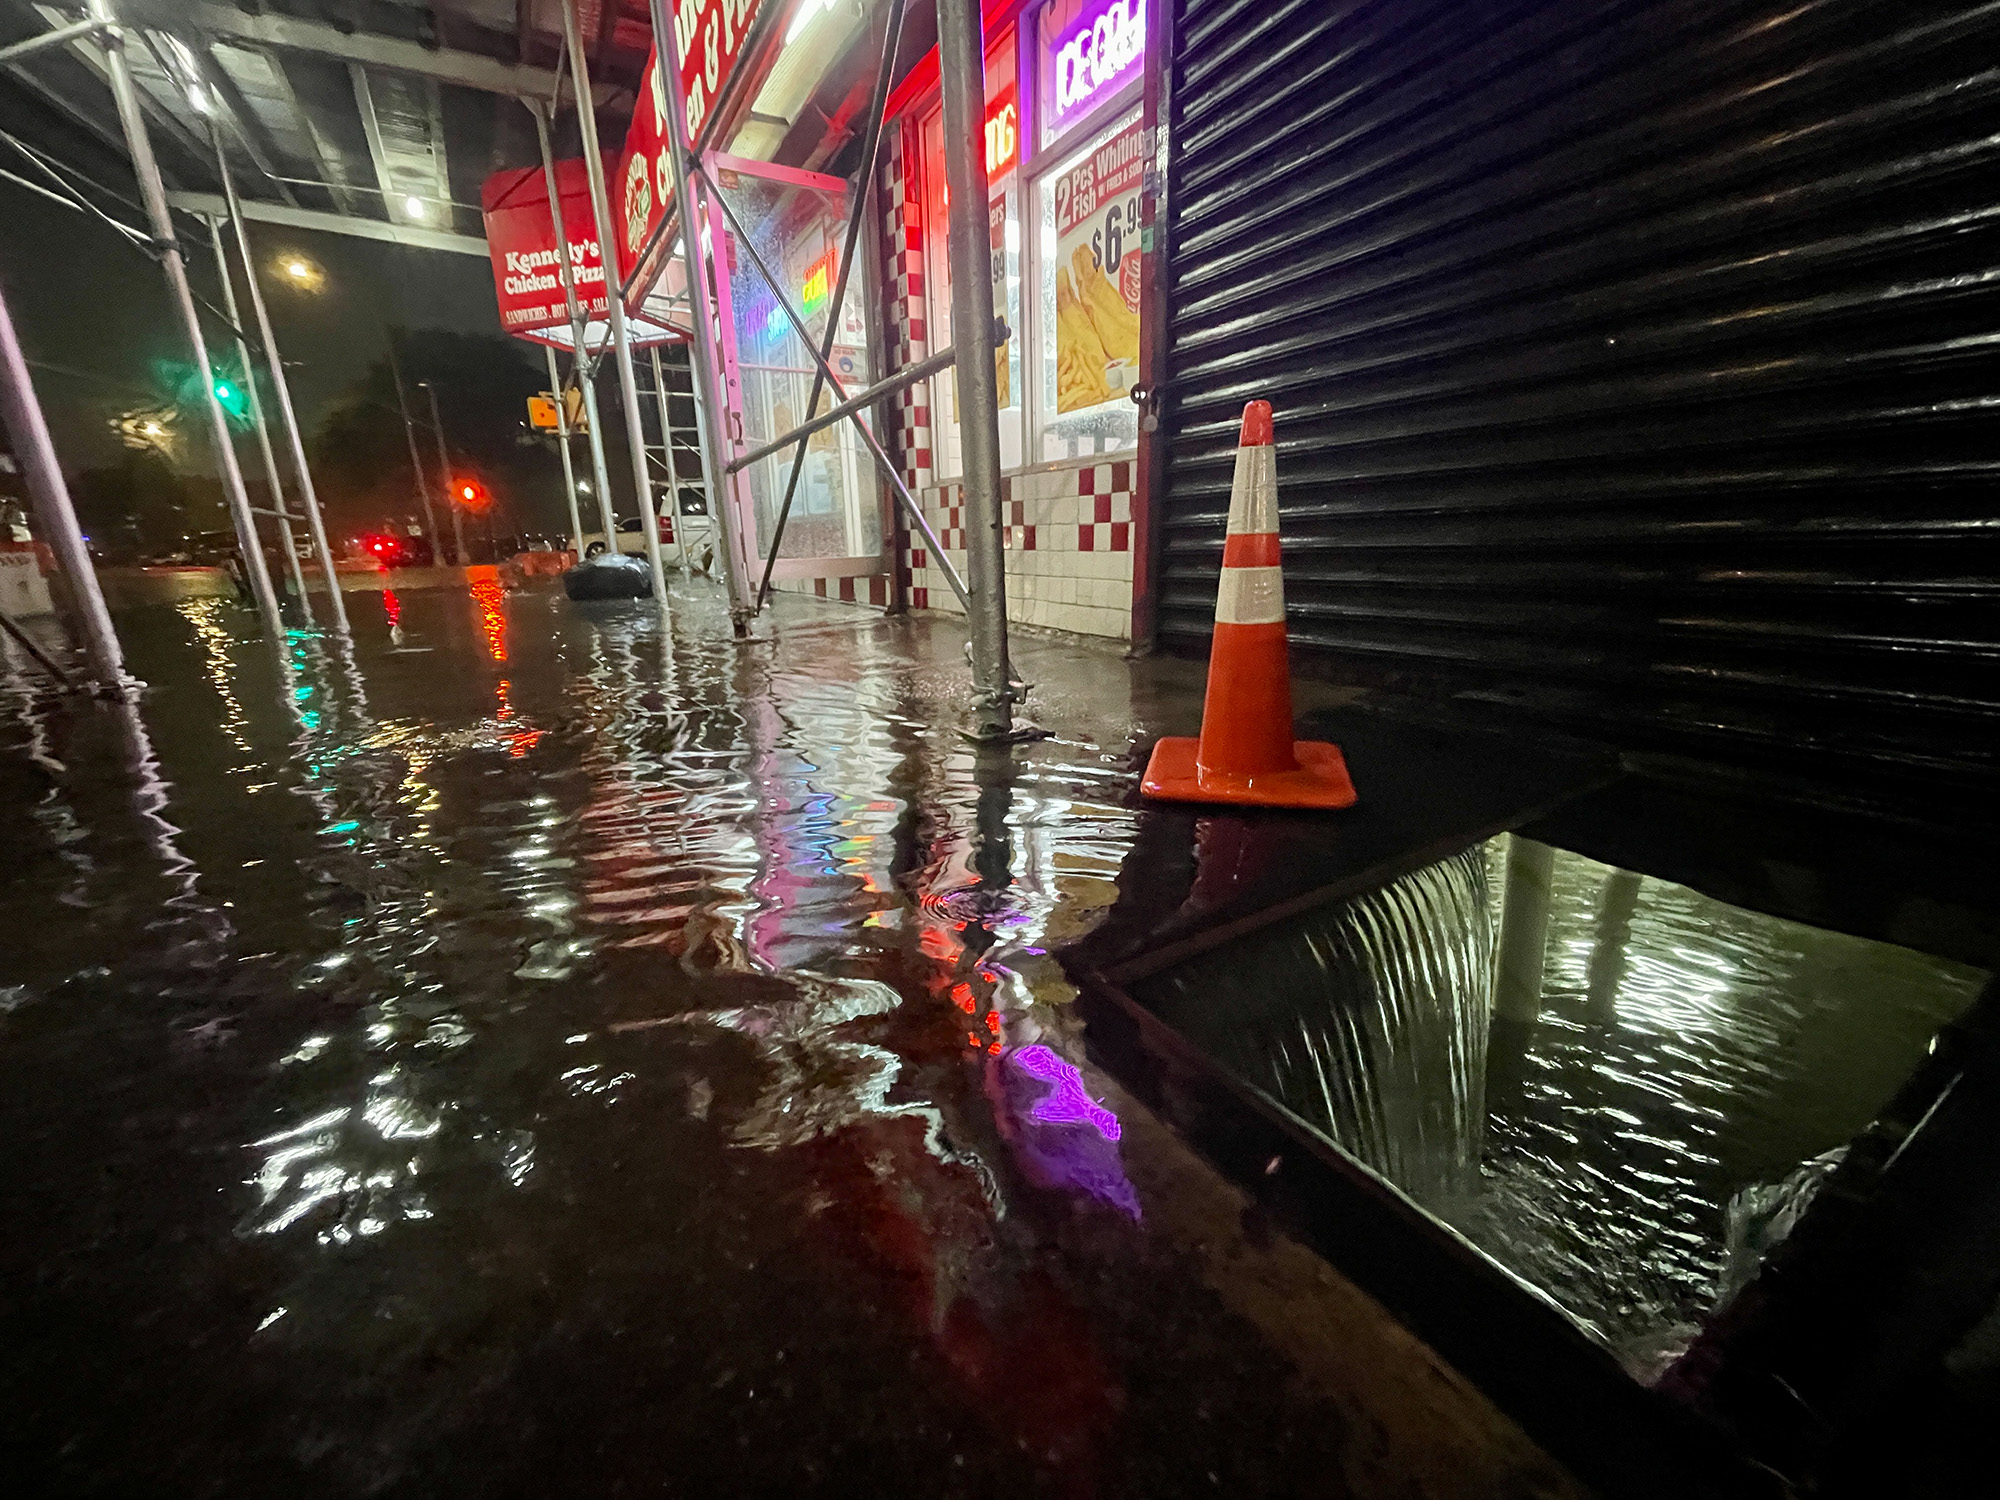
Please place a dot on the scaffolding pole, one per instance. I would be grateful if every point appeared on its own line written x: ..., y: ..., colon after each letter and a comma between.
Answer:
x: 562, y: 443
x: 584, y: 367
x: 308, y: 493
x: 621, y: 342
x: 857, y: 215
x: 444, y: 478
x: 700, y: 352
x: 154, y: 196
x: 278, y: 507
x: 55, y: 517
x: 962, y: 78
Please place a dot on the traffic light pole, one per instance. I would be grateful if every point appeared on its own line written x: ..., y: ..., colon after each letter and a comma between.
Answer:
x: 444, y: 477
x: 416, y: 462
x: 160, y: 223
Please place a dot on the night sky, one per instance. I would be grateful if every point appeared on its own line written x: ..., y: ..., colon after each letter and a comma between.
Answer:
x: 87, y: 301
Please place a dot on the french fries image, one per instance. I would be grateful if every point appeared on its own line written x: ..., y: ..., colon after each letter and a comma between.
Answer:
x: 1080, y: 356
x: 1116, y: 324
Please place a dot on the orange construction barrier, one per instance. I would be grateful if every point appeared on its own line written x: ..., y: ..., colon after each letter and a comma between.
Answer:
x: 1246, y: 753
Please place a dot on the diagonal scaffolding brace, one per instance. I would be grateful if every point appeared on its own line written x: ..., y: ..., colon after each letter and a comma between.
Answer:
x: 891, y: 40
x: 853, y: 409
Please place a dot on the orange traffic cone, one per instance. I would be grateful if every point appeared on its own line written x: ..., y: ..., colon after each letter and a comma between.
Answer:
x: 1246, y: 752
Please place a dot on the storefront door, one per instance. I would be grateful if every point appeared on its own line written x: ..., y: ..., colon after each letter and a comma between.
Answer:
x: 797, y: 222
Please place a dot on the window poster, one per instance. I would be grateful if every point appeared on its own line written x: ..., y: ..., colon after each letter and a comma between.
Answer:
x: 1097, y: 273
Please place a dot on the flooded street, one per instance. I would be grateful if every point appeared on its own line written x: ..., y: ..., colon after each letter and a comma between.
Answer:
x: 536, y: 1054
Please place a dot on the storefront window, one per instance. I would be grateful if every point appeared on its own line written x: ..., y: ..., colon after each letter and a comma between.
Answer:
x: 1088, y: 270
x: 1002, y: 137
x: 798, y: 229
x: 1066, y: 375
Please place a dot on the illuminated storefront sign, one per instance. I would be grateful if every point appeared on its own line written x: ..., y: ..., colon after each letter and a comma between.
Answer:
x: 1003, y: 133
x: 1100, y: 50
x: 709, y: 35
x: 812, y: 294
x: 521, y: 238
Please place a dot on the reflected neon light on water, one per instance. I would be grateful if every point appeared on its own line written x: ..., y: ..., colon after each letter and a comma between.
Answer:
x: 1067, y: 1102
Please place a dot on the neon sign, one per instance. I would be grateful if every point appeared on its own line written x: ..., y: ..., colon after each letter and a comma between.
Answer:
x: 1003, y: 134
x: 812, y: 293
x: 1099, y: 52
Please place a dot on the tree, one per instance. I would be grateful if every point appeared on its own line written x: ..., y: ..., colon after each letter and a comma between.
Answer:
x: 140, y: 506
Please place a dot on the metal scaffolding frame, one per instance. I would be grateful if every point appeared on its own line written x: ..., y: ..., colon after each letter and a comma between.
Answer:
x: 851, y: 408
x: 701, y: 352
x: 856, y: 217
x: 583, y: 368
x: 55, y: 516
x: 295, y: 439
x: 699, y: 207
x: 621, y: 343
x: 279, y: 509
x: 962, y: 78
x: 152, y: 194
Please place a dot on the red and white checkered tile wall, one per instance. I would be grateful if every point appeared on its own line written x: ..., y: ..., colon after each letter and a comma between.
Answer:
x: 1067, y: 531
x: 1067, y: 540
x: 906, y: 338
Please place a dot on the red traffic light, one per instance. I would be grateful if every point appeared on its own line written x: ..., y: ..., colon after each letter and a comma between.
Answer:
x: 471, y: 494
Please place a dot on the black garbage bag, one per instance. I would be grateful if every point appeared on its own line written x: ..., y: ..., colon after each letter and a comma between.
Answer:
x: 609, y: 575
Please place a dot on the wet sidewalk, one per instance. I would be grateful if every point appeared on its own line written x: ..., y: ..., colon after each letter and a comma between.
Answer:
x: 536, y: 1055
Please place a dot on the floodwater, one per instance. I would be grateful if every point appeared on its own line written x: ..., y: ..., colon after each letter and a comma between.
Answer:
x: 1631, y: 1138
x: 539, y: 1053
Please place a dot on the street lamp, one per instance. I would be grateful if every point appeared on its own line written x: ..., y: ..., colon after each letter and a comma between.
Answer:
x: 298, y: 271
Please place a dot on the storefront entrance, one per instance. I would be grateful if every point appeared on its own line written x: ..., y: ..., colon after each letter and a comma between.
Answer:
x: 797, y: 223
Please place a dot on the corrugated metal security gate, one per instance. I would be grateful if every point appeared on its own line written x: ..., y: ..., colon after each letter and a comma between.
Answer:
x: 1635, y: 363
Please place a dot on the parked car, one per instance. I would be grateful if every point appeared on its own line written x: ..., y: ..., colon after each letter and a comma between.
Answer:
x: 631, y: 537
x: 399, y: 551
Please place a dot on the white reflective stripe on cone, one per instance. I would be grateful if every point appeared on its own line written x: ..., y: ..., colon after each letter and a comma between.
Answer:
x: 1253, y: 493
x: 1251, y: 596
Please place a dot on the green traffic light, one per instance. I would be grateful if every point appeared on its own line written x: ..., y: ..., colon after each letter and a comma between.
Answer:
x: 222, y: 390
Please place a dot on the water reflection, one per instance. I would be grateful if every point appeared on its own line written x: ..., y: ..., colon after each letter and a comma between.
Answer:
x: 729, y: 815
x: 547, y: 1039
x: 1656, y: 1069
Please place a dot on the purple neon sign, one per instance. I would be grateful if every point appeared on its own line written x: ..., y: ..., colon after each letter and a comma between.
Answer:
x: 1087, y: 59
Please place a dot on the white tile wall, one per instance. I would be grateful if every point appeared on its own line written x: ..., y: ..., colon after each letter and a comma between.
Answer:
x: 1067, y: 538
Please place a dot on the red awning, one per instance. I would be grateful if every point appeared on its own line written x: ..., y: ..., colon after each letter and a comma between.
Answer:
x: 527, y: 276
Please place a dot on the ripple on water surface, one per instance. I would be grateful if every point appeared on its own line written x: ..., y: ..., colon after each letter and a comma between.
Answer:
x: 580, y: 1028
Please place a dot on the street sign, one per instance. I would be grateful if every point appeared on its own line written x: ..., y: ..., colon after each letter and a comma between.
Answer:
x: 542, y: 415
